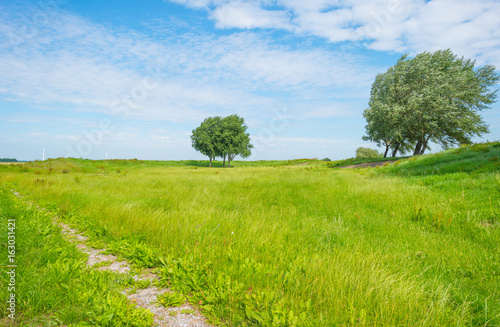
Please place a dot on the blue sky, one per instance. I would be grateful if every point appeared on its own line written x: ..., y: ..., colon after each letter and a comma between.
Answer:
x: 132, y: 79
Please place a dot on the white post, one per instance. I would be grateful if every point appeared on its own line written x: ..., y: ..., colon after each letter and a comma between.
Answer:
x: 43, y: 154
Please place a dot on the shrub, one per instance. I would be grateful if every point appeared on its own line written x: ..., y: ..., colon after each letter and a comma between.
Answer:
x: 364, y: 153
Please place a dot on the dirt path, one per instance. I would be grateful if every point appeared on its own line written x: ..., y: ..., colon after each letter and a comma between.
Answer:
x: 183, y: 316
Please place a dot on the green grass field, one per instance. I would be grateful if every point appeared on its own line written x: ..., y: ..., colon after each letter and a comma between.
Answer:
x: 282, y: 243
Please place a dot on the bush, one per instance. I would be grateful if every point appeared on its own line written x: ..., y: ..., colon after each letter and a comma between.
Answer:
x: 367, y: 153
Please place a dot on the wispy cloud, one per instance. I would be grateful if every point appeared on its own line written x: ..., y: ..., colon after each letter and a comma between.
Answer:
x: 250, y: 15
x: 468, y: 27
x: 90, y: 67
x: 314, y: 60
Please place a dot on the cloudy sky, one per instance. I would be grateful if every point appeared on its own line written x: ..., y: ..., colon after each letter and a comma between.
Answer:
x: 132, y: 79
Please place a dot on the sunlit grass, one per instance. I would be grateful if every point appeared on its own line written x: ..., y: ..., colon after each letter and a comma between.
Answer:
x: 317, y: 245
x: 53, y: 286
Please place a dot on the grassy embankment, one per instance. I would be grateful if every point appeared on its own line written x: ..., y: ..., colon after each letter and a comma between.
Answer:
x: 278, y: 244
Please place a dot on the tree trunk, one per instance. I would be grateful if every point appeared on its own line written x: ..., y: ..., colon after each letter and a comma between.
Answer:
x: 224, y: 162
x: 396, y: 149
x: 386, y: 150
x: 418, y: 147
x: 424, y: 146
x: 423, y: 149
x: 210, y: 161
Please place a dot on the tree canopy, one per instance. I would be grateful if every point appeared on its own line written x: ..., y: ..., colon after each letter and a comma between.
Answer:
x: 432, y: 97
x: 205, y: 138
x: 222, y: 137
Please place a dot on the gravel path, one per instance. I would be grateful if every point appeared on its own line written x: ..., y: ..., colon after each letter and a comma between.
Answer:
x: 183, y: 316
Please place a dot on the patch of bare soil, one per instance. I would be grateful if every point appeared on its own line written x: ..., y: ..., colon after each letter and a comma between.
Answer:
x: 144, y: 298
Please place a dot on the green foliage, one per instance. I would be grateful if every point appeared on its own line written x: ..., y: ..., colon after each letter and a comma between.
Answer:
x: 117, y: 311
x: 219, y: 295
x: 143, y: 283
x: 187, y: 311
x: 53, y: 284
x: 206, y: 138
x: 234, y: 139
x: 221, y: 137
x: 434, y: 96
x: 367, y: 153
x: 171, y: 299
x: 103, y: 264
x: 135, y: 251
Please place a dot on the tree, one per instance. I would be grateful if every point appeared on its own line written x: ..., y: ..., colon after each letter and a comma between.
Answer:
x: 384, y: 114
x: 234, y: 139
x: 432, y: 97
x: 205, y: 139
x: 221, y: 137
x: 364, y: 153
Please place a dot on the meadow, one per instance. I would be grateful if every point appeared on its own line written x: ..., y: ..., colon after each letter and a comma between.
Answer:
x: 271, y: 243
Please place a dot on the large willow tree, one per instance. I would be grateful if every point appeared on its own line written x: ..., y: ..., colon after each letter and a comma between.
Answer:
x: 433, y: 97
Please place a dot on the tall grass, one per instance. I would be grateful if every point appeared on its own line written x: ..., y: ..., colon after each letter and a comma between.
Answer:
x: 296, y: 245
x: 53, y: 285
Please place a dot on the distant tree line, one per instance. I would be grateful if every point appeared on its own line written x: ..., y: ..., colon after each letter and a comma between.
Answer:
x: 8, y: 160
x: 433, y: 97
x: 222, y: 137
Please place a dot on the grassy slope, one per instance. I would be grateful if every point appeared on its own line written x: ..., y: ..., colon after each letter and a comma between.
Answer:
x: 470, y: 175
x: 411, y: 244
x: 356, y: 161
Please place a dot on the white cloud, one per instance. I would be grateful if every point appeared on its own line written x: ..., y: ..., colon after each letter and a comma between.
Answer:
x: 249, y: 15
x: 332, y: 25
x: 182, y: 78
x: 332, y: 109
x: 65, y: 77
x: 469, y: 27
x: 169, y: 137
